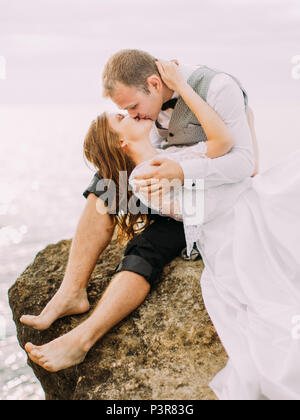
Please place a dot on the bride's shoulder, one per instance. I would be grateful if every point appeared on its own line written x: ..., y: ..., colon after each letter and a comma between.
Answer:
x: 144, y: 166
x: 141, y: 169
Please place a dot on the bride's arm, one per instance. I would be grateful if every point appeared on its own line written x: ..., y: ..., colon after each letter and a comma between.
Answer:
x: 219, y: 139
x: 228, y: 101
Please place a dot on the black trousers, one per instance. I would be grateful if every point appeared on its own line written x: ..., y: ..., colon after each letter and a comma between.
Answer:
x: 149, y: 252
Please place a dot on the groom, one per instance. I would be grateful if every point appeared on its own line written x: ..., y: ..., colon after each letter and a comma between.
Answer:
x: 132, y: 80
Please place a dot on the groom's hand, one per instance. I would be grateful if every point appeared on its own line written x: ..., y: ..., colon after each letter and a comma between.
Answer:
x: 163, y: 170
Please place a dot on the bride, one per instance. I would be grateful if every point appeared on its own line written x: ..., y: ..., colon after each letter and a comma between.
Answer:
x: 247, y: 234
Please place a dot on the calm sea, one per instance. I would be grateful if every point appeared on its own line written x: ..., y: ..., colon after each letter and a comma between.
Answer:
x: 41, y: 181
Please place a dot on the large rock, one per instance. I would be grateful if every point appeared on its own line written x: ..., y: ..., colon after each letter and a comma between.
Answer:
x: 167, y: 349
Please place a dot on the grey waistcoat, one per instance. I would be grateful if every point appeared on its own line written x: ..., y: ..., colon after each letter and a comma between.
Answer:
x: 184, y: 128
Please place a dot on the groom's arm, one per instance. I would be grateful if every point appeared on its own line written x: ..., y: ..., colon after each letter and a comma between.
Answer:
x: 226, y: 98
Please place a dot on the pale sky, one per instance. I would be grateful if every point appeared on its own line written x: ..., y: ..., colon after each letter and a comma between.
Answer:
x: 56, y: 49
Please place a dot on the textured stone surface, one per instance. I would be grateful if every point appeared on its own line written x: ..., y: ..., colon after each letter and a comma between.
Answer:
x: 167, y: 349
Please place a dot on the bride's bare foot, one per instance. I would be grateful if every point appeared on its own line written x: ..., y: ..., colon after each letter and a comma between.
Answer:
x: 62, y: 353
x: 64, y: 303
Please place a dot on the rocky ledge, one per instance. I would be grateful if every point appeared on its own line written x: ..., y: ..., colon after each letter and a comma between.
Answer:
x: 167, y: 349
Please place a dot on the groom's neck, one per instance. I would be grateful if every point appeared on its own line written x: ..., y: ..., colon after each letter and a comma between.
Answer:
x: 167, y: 93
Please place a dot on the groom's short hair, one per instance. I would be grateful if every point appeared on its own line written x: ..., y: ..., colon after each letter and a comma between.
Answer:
x: 130, y: 67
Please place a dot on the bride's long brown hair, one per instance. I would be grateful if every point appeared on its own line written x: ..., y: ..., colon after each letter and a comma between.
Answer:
x: 102, y: 149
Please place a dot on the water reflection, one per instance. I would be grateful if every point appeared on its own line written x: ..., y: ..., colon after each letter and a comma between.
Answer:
x: 9, y: 234
x: 39, y: 204
x: 17, y: 380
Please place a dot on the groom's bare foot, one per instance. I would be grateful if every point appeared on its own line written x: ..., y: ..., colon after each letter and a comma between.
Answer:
x: 62, y: 353
x: 61, y: 305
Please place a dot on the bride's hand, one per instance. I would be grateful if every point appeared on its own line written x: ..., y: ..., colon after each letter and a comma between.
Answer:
x: 171, y: 74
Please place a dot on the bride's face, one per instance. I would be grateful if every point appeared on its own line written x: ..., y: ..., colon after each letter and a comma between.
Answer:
x: 130, y: 129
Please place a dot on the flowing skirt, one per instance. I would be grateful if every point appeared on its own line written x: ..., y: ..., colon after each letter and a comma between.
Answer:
x: 251, y: 287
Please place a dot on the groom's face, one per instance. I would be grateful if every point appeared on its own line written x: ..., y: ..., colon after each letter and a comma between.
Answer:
x: 137, y: 102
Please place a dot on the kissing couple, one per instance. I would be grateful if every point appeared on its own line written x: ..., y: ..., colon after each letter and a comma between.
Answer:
x: 192, y: 125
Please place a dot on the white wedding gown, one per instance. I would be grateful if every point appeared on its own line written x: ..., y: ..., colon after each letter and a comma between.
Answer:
x: 249, y: 238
